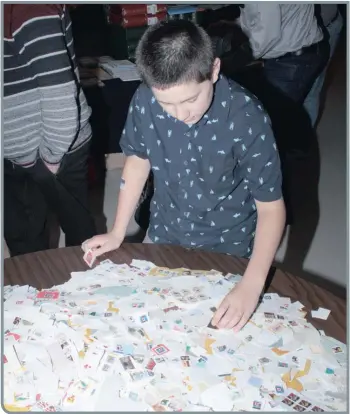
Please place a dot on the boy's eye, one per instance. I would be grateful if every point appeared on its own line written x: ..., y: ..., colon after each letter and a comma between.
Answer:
x: 192, y: 100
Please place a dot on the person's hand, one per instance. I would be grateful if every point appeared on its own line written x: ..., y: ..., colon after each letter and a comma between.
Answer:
x: 238, y: 305
x: 52, y: 167
x: 103, y: 243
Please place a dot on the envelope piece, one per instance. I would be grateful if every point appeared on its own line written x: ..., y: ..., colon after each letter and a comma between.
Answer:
x: 142, y: 265
x: 321, y: 313
x: 218, y: 397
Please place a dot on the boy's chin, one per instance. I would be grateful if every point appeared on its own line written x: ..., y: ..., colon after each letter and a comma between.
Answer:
x: 194, y: 120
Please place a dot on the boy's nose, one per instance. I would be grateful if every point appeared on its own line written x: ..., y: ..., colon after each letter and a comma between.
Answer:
x: 181, y: 114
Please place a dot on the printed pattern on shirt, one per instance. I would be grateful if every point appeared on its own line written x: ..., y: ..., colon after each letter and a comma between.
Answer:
x: 206, y: 176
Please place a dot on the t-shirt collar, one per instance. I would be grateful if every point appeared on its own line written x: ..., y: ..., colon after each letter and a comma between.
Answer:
x: 218, y: 109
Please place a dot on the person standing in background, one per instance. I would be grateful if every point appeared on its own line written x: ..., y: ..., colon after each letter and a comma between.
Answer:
x: 46, y: 129
x: 333, y: 22
x: 290, y: 42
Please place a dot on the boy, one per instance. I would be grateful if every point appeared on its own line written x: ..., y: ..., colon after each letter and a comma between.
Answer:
x: 217, y: 180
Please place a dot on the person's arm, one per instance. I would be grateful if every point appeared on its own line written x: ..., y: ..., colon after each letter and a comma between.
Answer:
x: 260, y: 165
x: 137, y: 166
x: 261, y: 22
x: 238, y: 306
x: 135, y: 173
x: 50, y: 52
x: 269, y: 230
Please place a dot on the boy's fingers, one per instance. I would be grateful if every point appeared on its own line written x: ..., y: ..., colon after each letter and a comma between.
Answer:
x: 230, y: 319
x: 93, y: 243
x: 241, y: 324
x: 105, y: 248
x: 84, y: 246
x: 100, y: 250
x: 219, y: 313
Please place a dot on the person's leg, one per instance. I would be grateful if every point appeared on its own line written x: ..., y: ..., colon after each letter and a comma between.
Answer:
x: 294, y: 75
x: 67, y: 195
x: 25, y: 212
x: 280, y: 75
x: 334, y: 30
x: 312, y: 101
x: 79, y: 225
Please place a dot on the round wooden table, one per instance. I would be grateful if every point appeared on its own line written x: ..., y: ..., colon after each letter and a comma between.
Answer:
x: 53, y: 267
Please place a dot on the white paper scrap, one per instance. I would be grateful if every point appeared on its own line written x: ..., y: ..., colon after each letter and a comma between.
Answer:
x: 321, y: 313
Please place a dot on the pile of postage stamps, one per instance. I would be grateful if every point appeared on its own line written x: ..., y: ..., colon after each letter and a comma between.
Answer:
x: 139, y: 338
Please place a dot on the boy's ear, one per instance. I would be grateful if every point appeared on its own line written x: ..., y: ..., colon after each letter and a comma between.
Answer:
x: 216, y: 70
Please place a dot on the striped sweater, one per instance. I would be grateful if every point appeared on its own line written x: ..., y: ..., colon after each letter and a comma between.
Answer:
x: 41, y: 85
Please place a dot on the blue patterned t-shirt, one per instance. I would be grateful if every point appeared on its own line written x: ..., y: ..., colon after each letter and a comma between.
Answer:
x: 206, y: 176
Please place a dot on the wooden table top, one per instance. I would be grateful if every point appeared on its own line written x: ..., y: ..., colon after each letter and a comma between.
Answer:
x: 53, y: 267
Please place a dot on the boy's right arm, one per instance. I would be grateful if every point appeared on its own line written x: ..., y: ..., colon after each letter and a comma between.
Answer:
x: 135, y: 173
x: 134, y: 176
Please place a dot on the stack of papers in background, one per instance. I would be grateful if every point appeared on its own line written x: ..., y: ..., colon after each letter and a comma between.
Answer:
x: 122, y: 69
x: 136, y: 338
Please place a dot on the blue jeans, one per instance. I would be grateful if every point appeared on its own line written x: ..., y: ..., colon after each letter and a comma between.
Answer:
x: 292, y: 75
x: 312, y: 101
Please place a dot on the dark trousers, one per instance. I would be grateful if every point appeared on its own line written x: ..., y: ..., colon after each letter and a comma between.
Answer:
x: 281, y: 85
x: 294, y: 75
x: 31, y: 193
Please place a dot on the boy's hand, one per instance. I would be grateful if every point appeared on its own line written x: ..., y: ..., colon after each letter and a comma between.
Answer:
x: 238, y: 306
x: 102, y: 243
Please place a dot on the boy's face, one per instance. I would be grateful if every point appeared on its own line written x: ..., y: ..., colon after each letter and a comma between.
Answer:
x: 188, y: 102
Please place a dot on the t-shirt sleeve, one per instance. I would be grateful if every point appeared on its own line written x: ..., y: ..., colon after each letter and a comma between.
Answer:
x: 132, y: 141
x: 258, y: 156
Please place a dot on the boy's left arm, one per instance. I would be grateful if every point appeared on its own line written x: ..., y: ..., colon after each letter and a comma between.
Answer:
x: 259, y: 161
